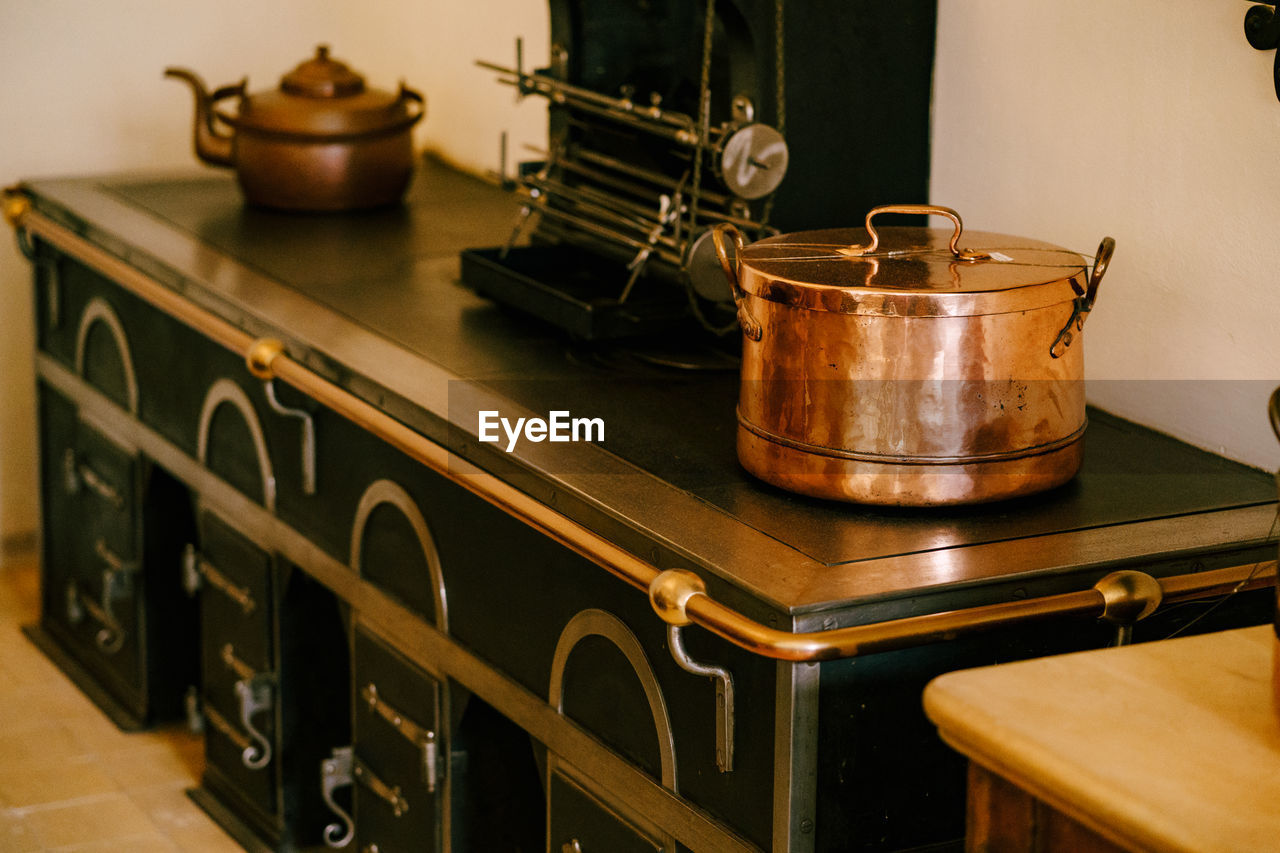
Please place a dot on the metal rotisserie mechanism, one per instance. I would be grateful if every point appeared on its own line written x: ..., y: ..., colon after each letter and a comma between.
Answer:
x: 668, y: 118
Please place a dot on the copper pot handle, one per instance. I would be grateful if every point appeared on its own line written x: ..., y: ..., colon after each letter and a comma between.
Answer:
x: 721, y: 232
x: 936, y: 210
x: 1105, y: 249
x: 1083, y: 303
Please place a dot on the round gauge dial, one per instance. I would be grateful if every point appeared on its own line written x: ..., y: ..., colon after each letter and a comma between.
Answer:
x: 753, y: 161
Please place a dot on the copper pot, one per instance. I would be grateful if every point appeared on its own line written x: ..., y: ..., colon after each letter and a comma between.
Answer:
x: 321, y: 141
x: 891, y: 366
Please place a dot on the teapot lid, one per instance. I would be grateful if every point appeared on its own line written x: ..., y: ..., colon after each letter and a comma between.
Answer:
x: 322, y: 77
x: 323, y: 99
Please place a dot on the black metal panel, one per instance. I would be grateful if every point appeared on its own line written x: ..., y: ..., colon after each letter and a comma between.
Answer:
x: 97, y: 528
x: 603, y: 695
x: 253, y: 794
x: 109, y: 532
x: 174, y: 366
x: 125, y: 531
x: 107, y: 520
x: 249, y: 637
x: 858, y: 101
x: 498, y: 802
x: 577, y: 816
x: 294, y: 637
x: 315, y: 683
x: 59, y: 300
x: 104, y: 365
x: 392, y: 557
x: 171, y: 617
x: 857, y: 86
x: 390, y: 755
x: 497, y: 569
x: 224, y: 620
x: 59, y: 547
x: 231, y: 454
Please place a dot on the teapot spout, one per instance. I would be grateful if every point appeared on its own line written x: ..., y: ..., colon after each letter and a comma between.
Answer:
x: 212, y: 144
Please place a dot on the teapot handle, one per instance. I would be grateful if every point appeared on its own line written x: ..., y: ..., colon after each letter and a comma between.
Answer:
x: 413, y: 96
x: 235, y: 90
x: 1273, y: 410
x: 212, y: 143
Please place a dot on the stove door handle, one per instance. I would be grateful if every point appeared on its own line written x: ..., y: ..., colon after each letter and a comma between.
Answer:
x: 336, y: 772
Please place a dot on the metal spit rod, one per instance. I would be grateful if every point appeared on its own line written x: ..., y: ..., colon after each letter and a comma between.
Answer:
x: 653, y: 119
x: 598, y: 159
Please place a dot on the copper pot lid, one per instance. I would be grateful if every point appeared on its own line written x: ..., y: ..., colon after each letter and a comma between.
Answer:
x: 912, y: 272
x: 323, y: 99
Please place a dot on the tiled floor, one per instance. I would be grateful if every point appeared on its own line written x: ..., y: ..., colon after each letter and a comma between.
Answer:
x: 69, y: 779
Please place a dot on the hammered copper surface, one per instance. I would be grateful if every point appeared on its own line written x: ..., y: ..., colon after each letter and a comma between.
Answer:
x: 911, y: 376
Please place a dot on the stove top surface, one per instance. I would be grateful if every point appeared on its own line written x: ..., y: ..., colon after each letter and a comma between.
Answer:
x: 387, y: 281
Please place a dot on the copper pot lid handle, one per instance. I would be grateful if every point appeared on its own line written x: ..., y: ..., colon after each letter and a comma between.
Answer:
x: 936, y: 210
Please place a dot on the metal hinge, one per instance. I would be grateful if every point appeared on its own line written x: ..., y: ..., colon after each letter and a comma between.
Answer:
x: 196, y: 570
x: 419, y: 736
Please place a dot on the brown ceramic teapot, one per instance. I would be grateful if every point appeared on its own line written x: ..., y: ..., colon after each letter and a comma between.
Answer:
x: 321, y: 141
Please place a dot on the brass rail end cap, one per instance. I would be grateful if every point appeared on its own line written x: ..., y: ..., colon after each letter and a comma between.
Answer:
x: 670, y: 591
x: 260, y: 356
x: 1129, y: 596
x: 16, y: 205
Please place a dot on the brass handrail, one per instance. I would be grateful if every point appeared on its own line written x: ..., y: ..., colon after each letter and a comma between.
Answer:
x: 678, y: 596
x: 1111, y: 599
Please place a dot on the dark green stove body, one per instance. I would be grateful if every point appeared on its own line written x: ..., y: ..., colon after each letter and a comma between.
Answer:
x: 335, y: 585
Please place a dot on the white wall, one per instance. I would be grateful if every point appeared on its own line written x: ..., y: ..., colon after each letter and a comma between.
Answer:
x: 84, y: 94
x: 1155, y: 123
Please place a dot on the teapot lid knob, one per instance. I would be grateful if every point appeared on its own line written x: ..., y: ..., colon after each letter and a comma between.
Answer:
x: 322, y: 77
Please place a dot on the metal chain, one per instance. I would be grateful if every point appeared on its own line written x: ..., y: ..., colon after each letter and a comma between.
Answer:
x: 779, y: 81
x: 704, y: 113
x: 779, y: 56
x: 780, y: 90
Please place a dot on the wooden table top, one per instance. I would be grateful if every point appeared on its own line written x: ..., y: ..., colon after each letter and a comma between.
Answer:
x: 1170, y: 745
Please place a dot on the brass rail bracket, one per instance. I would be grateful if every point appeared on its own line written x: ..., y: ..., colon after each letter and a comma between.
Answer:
x: 1128, y: 597
x: 16, y: 205
x: 669, y: 593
